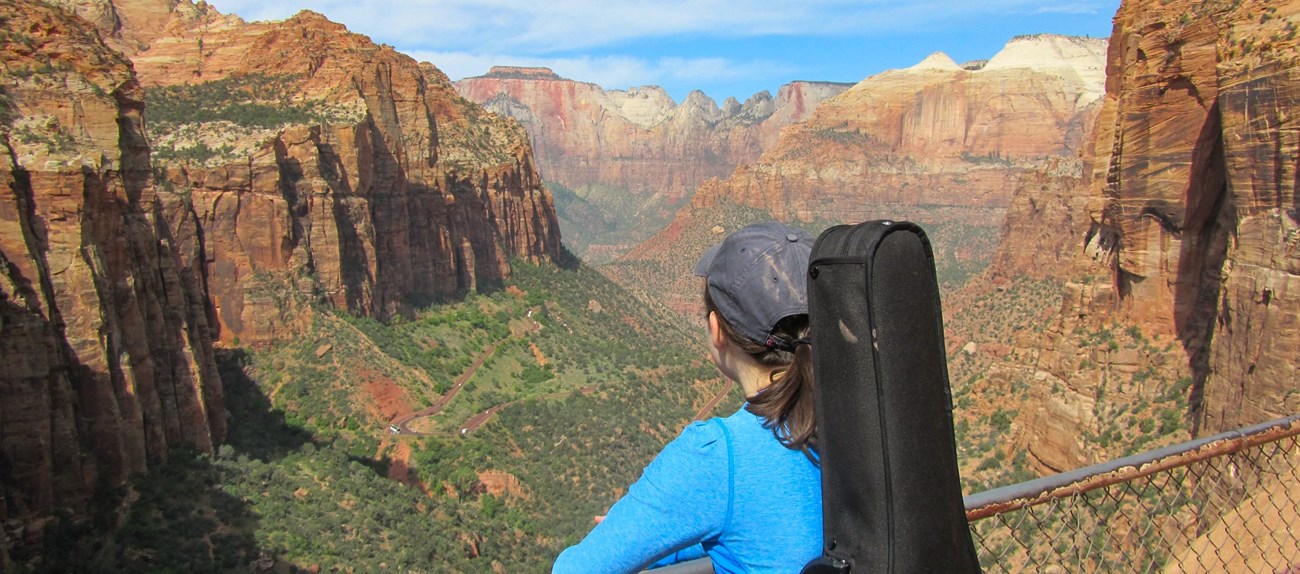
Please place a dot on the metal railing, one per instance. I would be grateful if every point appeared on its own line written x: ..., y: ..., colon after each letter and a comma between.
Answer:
x: 1226, y: 503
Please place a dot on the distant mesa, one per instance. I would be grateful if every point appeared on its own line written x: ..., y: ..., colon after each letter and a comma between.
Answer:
x: 1078, y: 54
x: 629, y: 158
x: 521, y: 73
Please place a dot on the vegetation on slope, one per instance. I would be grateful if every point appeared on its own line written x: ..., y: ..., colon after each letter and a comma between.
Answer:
x: 594, y: 381
x: 311, y: 477
x: 209, y: 121
x: 600, y: 222
x: 1002, y: 378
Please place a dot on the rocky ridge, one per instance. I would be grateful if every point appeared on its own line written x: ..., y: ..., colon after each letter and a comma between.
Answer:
x: 636, y: 154
x: 932, y: 134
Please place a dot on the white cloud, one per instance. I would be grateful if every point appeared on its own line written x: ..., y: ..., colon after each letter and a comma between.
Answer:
x: 528, y: 26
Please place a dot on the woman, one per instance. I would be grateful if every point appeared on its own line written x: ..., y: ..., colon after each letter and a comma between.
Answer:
x: 744, y: 490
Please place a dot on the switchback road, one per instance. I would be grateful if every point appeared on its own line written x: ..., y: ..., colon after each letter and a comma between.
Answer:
x: 401, y: 423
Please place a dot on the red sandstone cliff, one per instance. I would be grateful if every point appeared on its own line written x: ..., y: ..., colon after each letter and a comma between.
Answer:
x: 637, y: 153
x: 394, y: 190
x: 127, y: 26
x: 1184, y: 226
x: 1198, y: 215
x: 105, y: 358
x: 293, y: 162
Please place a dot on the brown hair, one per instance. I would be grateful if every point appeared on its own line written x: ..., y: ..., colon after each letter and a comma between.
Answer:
x: 786, y: 404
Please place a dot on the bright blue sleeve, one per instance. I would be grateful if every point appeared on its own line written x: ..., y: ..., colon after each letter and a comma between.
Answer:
x: 682, y: 499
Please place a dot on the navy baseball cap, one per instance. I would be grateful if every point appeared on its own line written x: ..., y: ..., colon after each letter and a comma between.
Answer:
x: 758, y: 276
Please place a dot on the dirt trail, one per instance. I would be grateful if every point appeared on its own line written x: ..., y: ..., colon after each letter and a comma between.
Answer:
x: 402, y: 424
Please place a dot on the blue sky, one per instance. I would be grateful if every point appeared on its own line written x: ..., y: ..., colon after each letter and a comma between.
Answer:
x: 722, y: 47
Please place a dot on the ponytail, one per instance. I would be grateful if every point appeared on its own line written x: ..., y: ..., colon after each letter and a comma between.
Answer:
x: 786, y: 404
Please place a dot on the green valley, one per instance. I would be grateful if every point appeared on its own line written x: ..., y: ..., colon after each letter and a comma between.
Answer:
x: 312, y: 478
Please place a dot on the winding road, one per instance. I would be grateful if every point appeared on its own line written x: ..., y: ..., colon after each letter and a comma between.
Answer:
x: 713, y: 403
x: 401, y: 423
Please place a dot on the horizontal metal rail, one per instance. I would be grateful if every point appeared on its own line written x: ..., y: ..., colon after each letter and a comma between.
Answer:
x: 1067, y: 484
x: 1226, y: 503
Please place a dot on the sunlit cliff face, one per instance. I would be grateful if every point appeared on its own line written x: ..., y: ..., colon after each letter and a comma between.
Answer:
x: 388, y: 189
x: 1198, y: 212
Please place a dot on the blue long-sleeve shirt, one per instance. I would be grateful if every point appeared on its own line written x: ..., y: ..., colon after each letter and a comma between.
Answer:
x: 726, y: 485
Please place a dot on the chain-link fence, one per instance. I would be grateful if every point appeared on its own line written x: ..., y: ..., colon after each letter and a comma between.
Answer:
x: 1227, y: 503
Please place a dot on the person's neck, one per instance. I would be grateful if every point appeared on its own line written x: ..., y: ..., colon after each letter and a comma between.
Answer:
x: 754, y: 377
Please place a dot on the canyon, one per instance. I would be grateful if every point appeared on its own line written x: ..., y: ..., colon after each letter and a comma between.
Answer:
x: 179, y: 180
x: 934, y: 143
x: 1164, y: 209
x: 631, y: 158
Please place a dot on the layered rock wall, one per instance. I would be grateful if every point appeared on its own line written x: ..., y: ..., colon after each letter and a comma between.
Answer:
x: 1183, y: 228
x: 639, y: 140
x: 934, y: 134
x: 934, y: 143
x: 631, y: 158
x: 105, y: 357
x: 1198, y: 212
x: 406, y: 194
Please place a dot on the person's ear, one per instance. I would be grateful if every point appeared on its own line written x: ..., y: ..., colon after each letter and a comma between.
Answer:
x: 716, y: 337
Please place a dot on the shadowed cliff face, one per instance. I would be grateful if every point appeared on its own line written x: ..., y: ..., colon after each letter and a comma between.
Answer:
x: 388, y: 188
x: 105, y: 360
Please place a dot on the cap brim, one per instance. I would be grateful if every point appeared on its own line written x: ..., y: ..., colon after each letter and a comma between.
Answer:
x: 706, y: 260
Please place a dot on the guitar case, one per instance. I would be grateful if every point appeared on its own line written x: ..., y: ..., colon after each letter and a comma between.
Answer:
x: 891, y: 494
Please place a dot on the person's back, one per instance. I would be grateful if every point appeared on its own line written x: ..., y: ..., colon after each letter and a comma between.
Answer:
x: 744, y: 490
x: 725, y: 484
x: 774, y: 485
